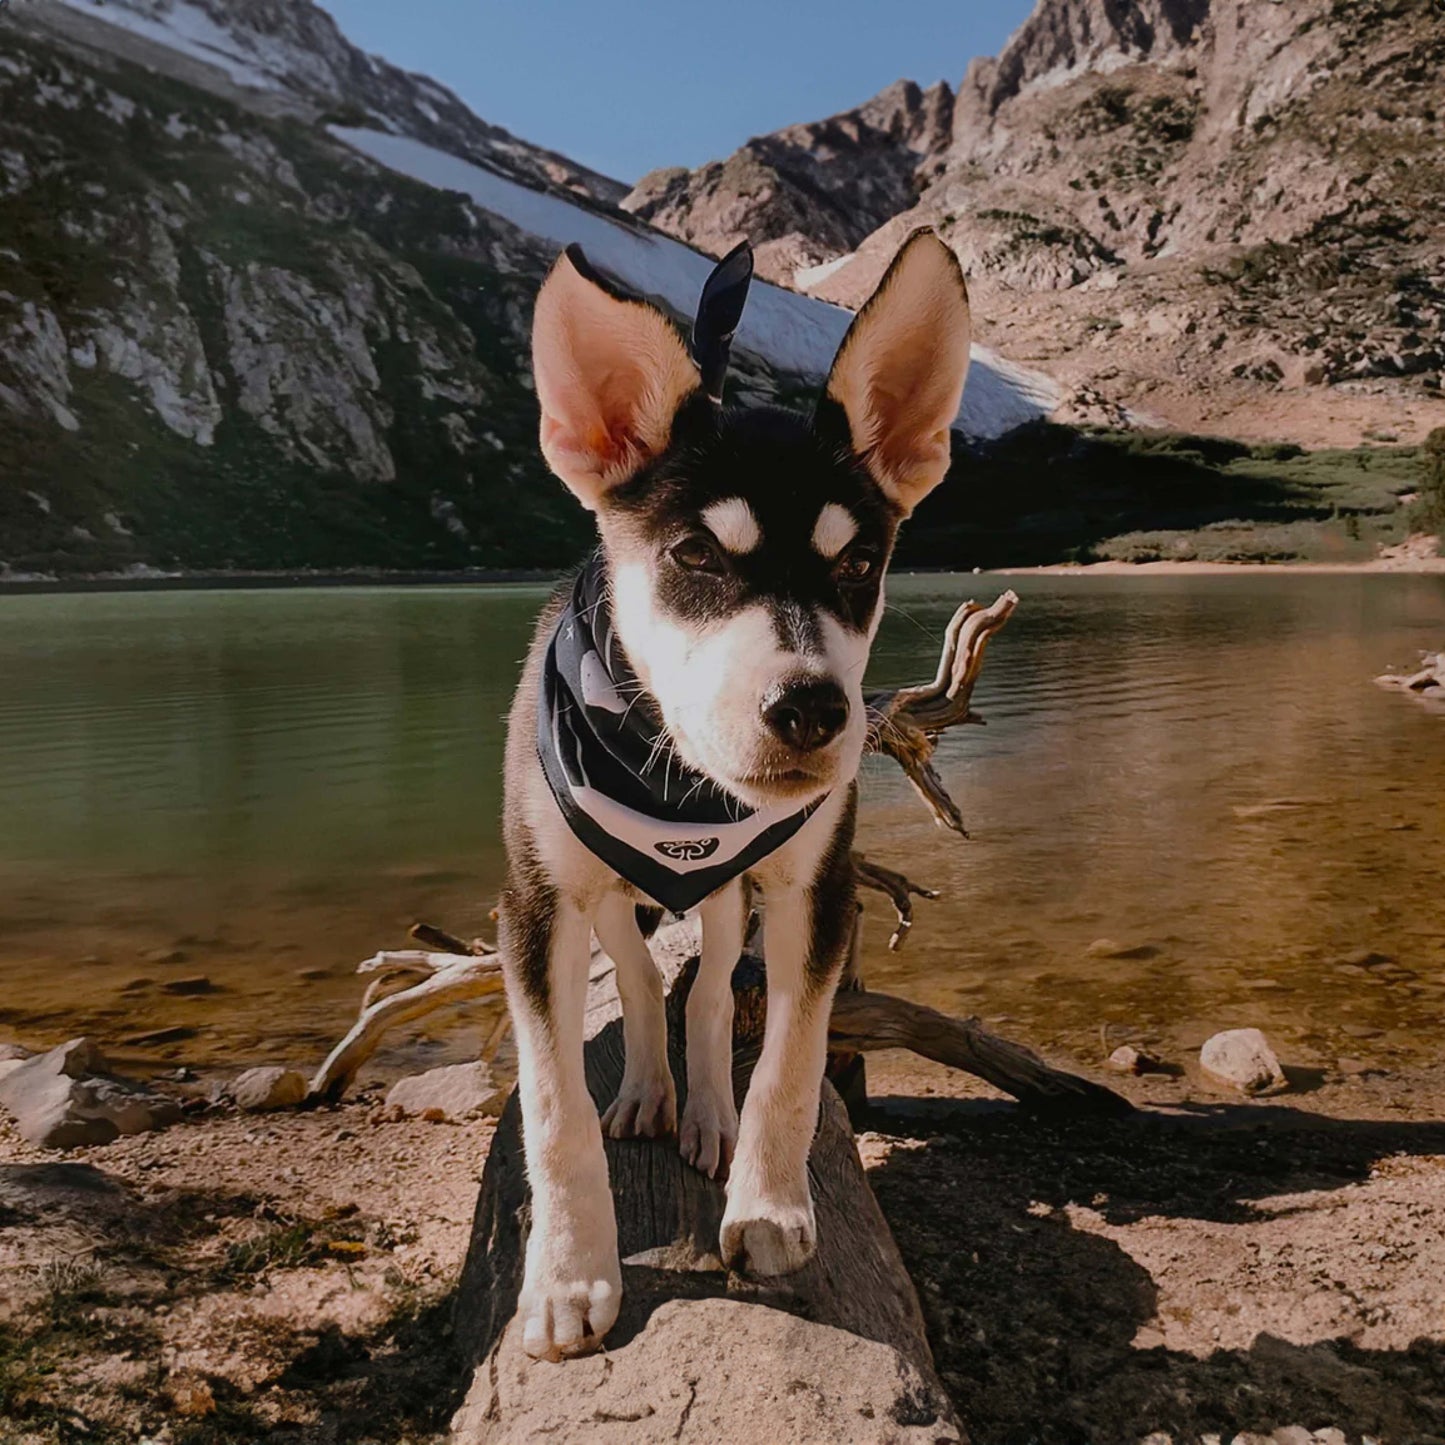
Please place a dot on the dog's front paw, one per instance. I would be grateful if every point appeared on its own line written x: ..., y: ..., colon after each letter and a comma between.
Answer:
x: 762, y: 1236
x: 567, y: 1312
x: 643, y: 1109
x: 709, y: 1132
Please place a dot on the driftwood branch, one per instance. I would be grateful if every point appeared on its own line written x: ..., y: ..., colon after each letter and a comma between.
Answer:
x: 905, y: 724
x: 897, y: 886
x: 1428, y: 681
x: 446, y: 979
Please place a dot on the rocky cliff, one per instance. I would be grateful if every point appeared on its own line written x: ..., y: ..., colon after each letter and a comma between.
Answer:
x: 1207, y: 210
x: 811, y: 192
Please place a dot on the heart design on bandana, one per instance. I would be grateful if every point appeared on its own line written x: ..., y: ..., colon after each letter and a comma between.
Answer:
x: 688, y: 850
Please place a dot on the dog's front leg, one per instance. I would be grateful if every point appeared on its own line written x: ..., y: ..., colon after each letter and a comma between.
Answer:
x: 573, y: 1283
x: 646, y: 1103
x: 710, y: 1118
x: 768, y: 1226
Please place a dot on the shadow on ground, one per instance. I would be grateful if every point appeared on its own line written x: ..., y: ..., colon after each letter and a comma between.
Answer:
x: 1033, y: 1320
x: 91, y: 1357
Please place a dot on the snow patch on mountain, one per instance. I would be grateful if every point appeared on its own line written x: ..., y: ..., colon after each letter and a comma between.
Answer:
x: 790, y: 332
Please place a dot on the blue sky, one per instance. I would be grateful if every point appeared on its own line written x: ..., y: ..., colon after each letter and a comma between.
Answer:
x: 627, y: 85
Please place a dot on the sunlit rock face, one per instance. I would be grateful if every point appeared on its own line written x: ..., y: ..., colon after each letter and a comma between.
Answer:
x: 1259, y: 188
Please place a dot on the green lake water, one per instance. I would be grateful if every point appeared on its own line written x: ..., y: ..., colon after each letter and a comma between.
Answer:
x: 1190, y: 809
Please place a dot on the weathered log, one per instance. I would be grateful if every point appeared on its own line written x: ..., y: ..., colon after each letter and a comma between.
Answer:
x: 863, y: 1022
x: 834, y: 1352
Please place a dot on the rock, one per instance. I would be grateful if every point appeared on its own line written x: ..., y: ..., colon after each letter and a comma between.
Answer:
x: 1242, y: 1059
x: 1293, y: 1435
x: 199, y: 984
x: 137, y: 985
x: 11, y: 1052
x: 743, y: 1366
x: 457, y: 1091
x: 1128, y: 1060
x: 1112, y: 948
x: 66, y: 1099
x: 166, y: 955
x: 271, y: 1087
x: 176, y: 1034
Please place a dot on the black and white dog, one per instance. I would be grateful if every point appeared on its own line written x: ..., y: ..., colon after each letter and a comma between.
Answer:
x: 690, y: 717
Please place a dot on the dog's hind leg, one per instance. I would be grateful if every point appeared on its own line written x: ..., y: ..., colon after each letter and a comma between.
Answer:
x: 573, y: 1283
x: 710, y: 1118
x: 646, y: 1103
x: 768, y: 1226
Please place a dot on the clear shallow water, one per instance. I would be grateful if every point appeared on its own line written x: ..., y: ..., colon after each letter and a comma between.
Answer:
x: 1190, y: 808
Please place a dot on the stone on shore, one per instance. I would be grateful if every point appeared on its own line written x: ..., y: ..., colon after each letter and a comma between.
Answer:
x: 1242, y: 1059
x: 1128, y: 1060
x: 67, y: 1099
x: 259, y: 1090
x: 456, y: 1091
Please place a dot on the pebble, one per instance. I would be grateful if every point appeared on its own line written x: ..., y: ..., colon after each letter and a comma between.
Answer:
x: 198, y: 984
x: 1242, y: 1059
x: 1112, y: 948
x: 151, y: 1037
x: 1128, y: 1060
x: 166, y: 955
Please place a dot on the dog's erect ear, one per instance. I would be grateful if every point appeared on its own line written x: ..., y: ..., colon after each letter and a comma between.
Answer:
x: 899, y: 374
x: 611, y: 374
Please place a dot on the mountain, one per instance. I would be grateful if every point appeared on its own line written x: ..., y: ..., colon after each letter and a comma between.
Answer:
x: 1226, y: 214
x: 265, y: 303
x: 810, y: 192
x: 285, y: 58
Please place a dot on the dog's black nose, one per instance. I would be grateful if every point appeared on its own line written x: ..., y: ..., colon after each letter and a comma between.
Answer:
x: 807, y: 714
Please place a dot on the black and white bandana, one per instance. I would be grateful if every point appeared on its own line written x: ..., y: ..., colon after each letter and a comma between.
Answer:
x: 667, y: 829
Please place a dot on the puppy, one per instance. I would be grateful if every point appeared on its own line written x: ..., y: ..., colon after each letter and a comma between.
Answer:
x: 691, y: 718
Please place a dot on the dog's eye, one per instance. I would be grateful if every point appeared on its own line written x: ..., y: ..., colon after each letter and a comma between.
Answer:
x: 855, y: 567
x: 697, y: 554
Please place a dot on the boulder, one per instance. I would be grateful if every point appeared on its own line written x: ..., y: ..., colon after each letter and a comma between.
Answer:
x: 66, y: 1099
x: 11, y: 1057
x: 1242, y: 1059
x: 272, y: 1087
x: 457, y: 1091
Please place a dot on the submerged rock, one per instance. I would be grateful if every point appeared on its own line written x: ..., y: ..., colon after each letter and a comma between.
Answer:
x: 1242, y: 1059
x: 67, y: 1099
x: 453, y: 1092
x: 258, y: 1090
